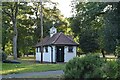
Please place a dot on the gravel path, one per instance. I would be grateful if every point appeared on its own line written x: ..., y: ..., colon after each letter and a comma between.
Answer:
x: 23, y: 75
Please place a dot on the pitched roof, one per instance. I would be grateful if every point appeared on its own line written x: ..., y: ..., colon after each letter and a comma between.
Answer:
x: 57, y: 39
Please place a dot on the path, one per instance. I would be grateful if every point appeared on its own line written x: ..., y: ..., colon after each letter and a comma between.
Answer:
x: 23, y: 75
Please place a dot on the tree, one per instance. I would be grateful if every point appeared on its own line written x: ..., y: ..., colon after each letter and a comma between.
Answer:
x: 25, y: 29
x: 5, y: 30
x: 11, y: 10
x: 112, y: 30
x: 88, y: 41
x: 104, y: 18
x: 88, y: 22
x: 50, y: 16
x: 28, y: 25
x: 0, y: 27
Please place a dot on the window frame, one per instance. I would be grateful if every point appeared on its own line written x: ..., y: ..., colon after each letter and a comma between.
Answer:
x: 70, y: 49
x: 46, y: 49
x: 38, y: 49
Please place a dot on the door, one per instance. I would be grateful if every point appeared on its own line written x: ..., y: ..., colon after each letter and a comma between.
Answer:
x: 60, y: 54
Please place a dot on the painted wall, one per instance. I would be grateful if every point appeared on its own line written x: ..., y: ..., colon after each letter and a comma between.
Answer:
x: 54, y: 56
x: 38, y: 55
x: 47, y: 55
x: 69, y: 55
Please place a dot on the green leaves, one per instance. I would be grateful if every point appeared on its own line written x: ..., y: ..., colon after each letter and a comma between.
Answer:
x: 111, y: 31
x: 117, y: 51
x: 88, y: 42
x: 103, y: 19
x: 88, y: 24
x: 28, y: 24
x: 85, y: 67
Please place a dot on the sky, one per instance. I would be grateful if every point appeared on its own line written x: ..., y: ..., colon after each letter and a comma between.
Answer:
x: 64, y: 6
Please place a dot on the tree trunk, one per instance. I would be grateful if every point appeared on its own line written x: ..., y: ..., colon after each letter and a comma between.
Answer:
x: 41, y: 23
x: 14, y: 20
x: 103, y: 54
x: 15, y: 40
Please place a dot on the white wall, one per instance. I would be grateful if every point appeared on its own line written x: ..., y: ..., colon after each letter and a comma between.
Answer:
x: 47, y: 56
x: 54, y: 56
x: 38, y: 55
x: 69, y: 55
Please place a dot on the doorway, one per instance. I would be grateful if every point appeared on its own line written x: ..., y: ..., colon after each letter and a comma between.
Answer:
x: 60, y: 53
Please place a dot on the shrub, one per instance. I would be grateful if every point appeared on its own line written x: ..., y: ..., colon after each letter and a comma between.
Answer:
x: 87, y: 67
x: 117, y: 51
x: 112, y: 69
x: 118, y: 69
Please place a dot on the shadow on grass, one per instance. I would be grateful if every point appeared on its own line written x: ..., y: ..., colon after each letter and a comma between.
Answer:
x: 29, y: 67
x: 12, y: 71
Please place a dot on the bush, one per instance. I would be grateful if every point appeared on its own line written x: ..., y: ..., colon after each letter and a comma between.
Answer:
x: 117, y: 51
x: 118, y: 69
x: 89, y: 66
x: 112, y: 69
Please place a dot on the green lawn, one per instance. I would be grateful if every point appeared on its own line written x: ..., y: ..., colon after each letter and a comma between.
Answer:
x: 29, y: 65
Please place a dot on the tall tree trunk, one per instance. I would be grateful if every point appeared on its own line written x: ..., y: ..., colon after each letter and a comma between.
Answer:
x: 15, y: 39
x: 14, y: 20
x: 41, y: 23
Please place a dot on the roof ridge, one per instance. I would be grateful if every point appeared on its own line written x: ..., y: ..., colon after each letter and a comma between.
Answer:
x: 57, y: 37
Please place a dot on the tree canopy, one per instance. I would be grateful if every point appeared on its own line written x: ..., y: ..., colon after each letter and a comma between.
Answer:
x: 28, y: 24
x: 96, y: 24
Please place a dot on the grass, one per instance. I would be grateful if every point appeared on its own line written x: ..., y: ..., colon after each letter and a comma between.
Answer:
x: 107, y: 57
x: 29, y: 65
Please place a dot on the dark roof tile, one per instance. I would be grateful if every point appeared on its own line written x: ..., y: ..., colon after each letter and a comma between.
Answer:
x: 57, y: 39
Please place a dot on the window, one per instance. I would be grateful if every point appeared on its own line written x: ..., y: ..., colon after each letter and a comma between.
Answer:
x: 70, y: 49
x: 37, y: 49
x: 46, y: 49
